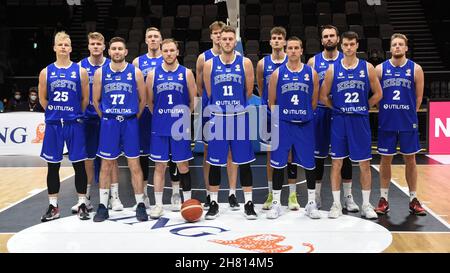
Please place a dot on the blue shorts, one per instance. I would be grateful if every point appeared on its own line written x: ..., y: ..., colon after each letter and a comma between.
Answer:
x: 238, y: 140
x: 163, y: 146
x: 118, y: 134
x: 265, y: 120
x: 72, y: 133
x: 351, y: 136
x: 300, y: 138
x: 92, y: 130
x: 145, y: 125
x: 387, y: 142
x: 322, y: 125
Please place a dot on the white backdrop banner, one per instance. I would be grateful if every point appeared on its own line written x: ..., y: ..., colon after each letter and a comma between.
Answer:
x: 21, y: 133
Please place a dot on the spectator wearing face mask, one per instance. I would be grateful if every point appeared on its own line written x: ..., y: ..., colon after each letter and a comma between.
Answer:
x: 14, y: 101
x: 32, y: 104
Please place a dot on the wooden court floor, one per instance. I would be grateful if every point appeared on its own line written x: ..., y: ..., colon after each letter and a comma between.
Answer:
x: 20, y: 183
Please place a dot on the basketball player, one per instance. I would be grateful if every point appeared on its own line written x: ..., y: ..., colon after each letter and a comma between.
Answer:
x: 402, y: 81
x: 264, y: 70
x: 64, y: 94
x: 294, y: 89
x: 171, y: 89
x: 322, y: 118
x: 215, y: 29
x: 345, y: 89
x: 119, y: 99
x: 228, y: 80
x: 96, y: 46
x: 147, y: 63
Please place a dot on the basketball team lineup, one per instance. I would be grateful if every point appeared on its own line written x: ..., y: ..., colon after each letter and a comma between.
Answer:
x: 105, y: 109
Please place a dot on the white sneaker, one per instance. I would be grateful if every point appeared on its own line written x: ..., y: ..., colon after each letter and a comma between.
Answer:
x: 115, y: 204
x: 368, y: 212
x: 275, y: 211
x: 156, y: 212
x: 176, y: 202
x: 311, y: 210
x: 88, y: 206
x: 318, y: 202
x: 335, y: 211
x: 350, y: 205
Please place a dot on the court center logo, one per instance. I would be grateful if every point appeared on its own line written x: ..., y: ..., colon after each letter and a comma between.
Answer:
x: 292, y: 232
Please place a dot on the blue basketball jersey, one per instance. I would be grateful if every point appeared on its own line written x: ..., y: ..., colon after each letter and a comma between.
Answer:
x: 148, y: 64
x: 321, y: 65
x: 228, y: 85
x: 350, y: 89
x: 63, y: 92
x: 119, y: 91
x: 294, y: 94
x: 170, y: 91
x: 398, y: 105
x: 269, y: 67
x: 90, y: 109
x: 208, y: 54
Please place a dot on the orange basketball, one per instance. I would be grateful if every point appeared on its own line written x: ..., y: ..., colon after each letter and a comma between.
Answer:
x: 191, y: 210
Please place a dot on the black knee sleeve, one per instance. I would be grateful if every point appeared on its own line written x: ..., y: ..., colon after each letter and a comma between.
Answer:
x: 214, y: 175
x: 143, y: 160
x: 292, y: 171
x: 346, y: 170
x: 185, y: 179
x: 320, y: 162
x: 277, y: 178
x: 174, y: 173
x: 80, y: 177
x: 310, y: 179
x: 53, y: 177
x: 245, y: 175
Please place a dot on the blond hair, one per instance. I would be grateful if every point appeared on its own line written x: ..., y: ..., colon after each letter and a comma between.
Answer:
x: 152, y: 29
x: 168, y: 41
x: 401, y: 36
x: 216, y: 24
x: 96, y: 36
x: 62, y: 35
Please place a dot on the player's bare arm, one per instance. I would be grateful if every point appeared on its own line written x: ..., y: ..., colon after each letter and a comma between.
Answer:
x: 43, y: 88
x: 315, y: 95
x: 249, y: 76
x: 260, y: 76
x: 141, y: 91
x: 192, y: 87
x: 273, y: 88
x: 97, y: 91
x: 84, y: 88
x: 325, y: 89
x: 419, y: 80
x: 375, y: 85
x: 149, y: 84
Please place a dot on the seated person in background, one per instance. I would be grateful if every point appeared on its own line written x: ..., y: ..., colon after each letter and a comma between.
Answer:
x: 32, y: 104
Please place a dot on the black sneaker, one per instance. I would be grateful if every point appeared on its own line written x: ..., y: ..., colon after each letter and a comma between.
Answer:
x: 141, y: 213
x: 51, y: 214
x: 232, y: 200
x: 208, y: 201
x: 102, y: 213
x: 249, y: 210
x: 83, y: 213
x: 213, y: 211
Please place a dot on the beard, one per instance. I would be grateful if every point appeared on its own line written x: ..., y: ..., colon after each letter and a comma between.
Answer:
x: 330, y: 47
x: 118, y: 60
x: 398, y: 56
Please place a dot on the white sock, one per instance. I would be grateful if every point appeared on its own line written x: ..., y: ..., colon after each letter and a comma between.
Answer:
x: 232, y: 191
x: 82, y: 199
x: 318, y: 187
x: 53, y: 201
x: 175, y: 187
x: 292, y: 188
x: 158, y: 198
x: 214, y: 196
x: 337, y: 197
x: 247, y: 196
x: 145, y: 192
x: 139, y: 198
x: 311, y: 195
x: 88, y: 191
x: 384, y: 193
x: 412, y: 195
x: 366, y: 197
x: 269, y: 185
x: 186, y: 195
x: 115, y: 190
x: 347, y: 188
x: 104, y: 196
x: 208, y: 193
x: 276, y: 196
